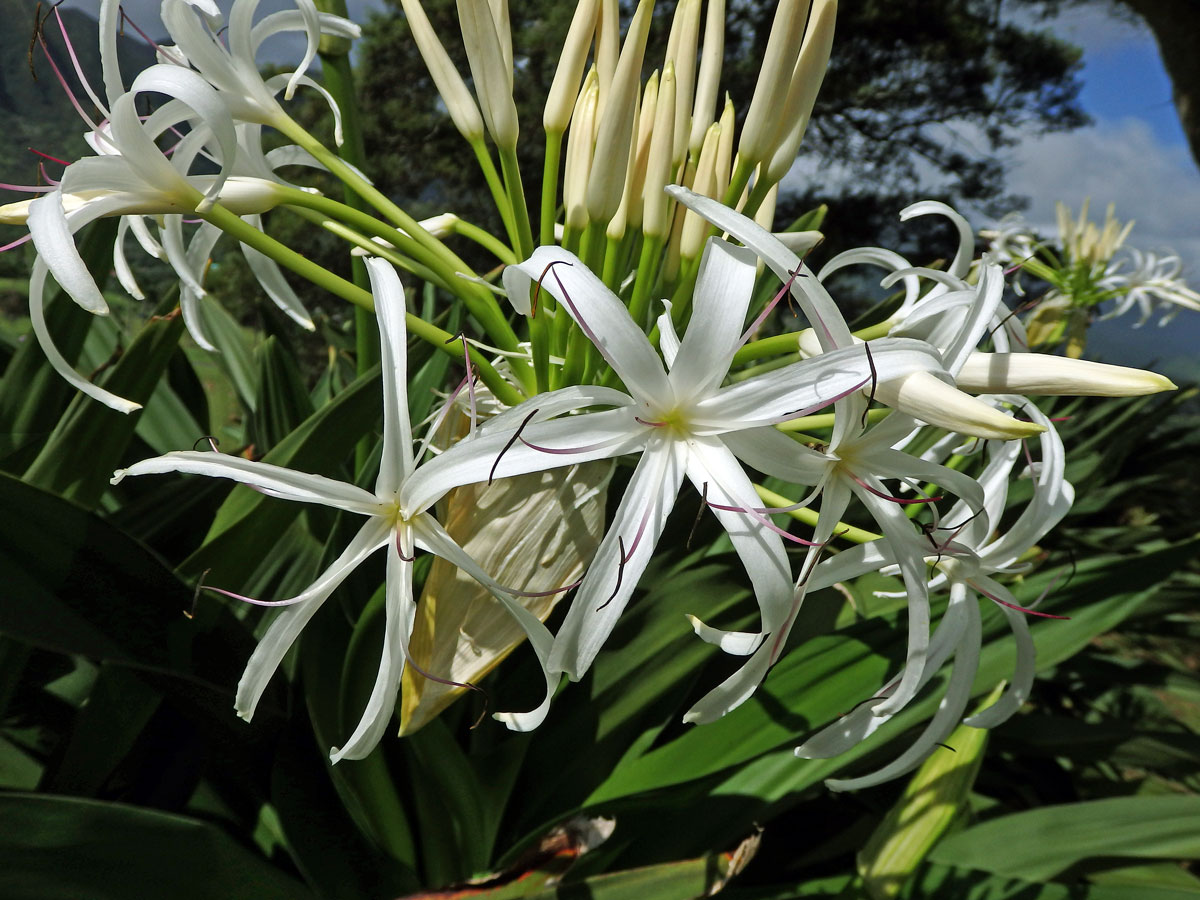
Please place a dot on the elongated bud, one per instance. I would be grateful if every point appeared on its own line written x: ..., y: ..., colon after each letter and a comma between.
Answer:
x: 682, y: 45
x: 493, y: 83
x: 608, y: 43
x: 565, y: 88
x: 724, y: 161
x: 630, y: 211
x: 655, y: 220
x: 695, y: 228
x: 581, y: 140
x: 926, y: 397
x: 765, y: 216
x: 500, y: 19
x: 779, y: 61
x: 709, y: 80
x: 453, y: 90
x: 806, y: 82
x: 1040, y: 373
x: 614, y: 130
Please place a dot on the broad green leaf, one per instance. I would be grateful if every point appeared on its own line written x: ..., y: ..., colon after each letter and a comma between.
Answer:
x: 54, y: 846
x: 32, y: 395
x: 1041, y: 843
x: 951, y: 882
x: 282, y: 400
x: 90, y: 440
x: 248, y: 522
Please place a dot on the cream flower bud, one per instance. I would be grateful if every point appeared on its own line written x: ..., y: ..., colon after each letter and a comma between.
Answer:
x: 580, y: 143
x: 724, y: 159
x: 779, y: 61
x: 802, y: 92
x: 1040, y: 373
x: 928, y: 398
x: 500, y: 17
x: 630, y: 211
x: 493, y: 80
x: 709, y: 79
x: 655, y: 220
x: 565, y: 87
x: 608, y: 43
x: 695, y: 227
x: 681, y: 50
x: 614, y: 130
x: 450, y: 86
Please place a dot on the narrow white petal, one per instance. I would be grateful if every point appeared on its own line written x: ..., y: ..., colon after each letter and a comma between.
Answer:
x: 621, y: 557
x: 440, y: 542
x: 966, y: 237
x: 1021, y: 684
x: 397, y: 461
x: 1040, y: 373
x: 270, y: 278
x: 812, y: 383
x: 598, y: 311
x: 288, y: 624
x: 277, y: 480
x: 950, y: 710
x: 55, y: 242
x: 577, y: 439
x: 860, y: 723
x: 400, y: 611
x: 733, y: 691
x: 724, y: 288
x: 823, y: 314
x: 774, y: 453
x: 37, y: 288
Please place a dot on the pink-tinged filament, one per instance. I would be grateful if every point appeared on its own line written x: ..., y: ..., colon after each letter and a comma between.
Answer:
x: 1032, y: 612
x: 903, y: 501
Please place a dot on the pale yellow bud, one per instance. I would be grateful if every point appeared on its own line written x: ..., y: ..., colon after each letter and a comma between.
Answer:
x: 1041, y: 373
x: 765, y: 216
x: 493, y: 81
x: 779, y: 61
x: 724, y: 150
x: 608, y: 43
x: 695, y: 227
x: 709, y: 79
x: 682, y: 45
x: 581, y: 141
x: 630, y: 211
x: 565, y: 87
x: 450, y: 86
x: 802, y: 92
x: 500, y: 18
x: 655, y: 219
x: 614, y: 130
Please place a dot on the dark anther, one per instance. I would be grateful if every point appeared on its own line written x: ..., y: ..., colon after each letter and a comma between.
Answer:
x: 512, y: 440
x: 947, y: 746
x: 699, y: 513
x: 191, y: 613
x: 620, y: 573
x: 213, y: 442
x: 538, y: 286
x: 874, y: 383
x: 400, y: 552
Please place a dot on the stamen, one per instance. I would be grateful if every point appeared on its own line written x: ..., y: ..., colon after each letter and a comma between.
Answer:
x: 1032, y: 612
x: 874, y: 383
x: 620, y: 573
x: 537, y: 288
x: 785, y: 291
x: 549, y: 593
x: 213, y: 442
x: 801, y: 413
x: 17, y: 243
x: 191, y: 613
x: 903, y: 501
x: 512, y: 440
x: 400, y: 550
x: 61, y: 162
x: 470, y: 376
x: 699, y: 513
x: 757, y: 515
x: 642, y: 421
x: 947, y: 746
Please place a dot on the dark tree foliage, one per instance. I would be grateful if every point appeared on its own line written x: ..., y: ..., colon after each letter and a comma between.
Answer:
x: 917, y: 96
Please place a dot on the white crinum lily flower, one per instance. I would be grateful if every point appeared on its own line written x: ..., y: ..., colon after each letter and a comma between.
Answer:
x: 966, y: 558
x: 135, y: 178
x: 229, y: 65
x: 392, y: 522
x: 680, y: 418
x: 1152, y: 282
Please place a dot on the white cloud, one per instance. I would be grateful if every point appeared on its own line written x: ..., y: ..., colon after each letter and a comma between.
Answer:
x: 1115, y: 162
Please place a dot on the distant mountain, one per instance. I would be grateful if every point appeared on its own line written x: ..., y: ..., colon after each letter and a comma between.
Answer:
x: 35, y: 112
